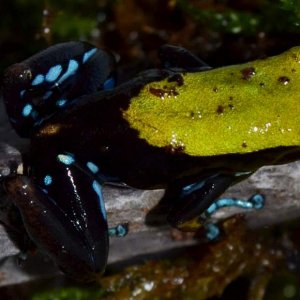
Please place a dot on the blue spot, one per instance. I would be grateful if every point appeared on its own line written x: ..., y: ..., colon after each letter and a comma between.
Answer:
x: 47, y: 95
x: 258, y: 201
x: 72, y: 68
x: 212, y: 208
x: 61, y: 102
x: 22, y: 93
x: 88, y: 54
x: 65, y: 159
x: 98, y: 189
x: 213, y: 231
x: 27, y: 110
x: 92, y: 167
x: 53, y: 73
x: 47, y: 180
x: 109, y: 84
x: 38, y: 79
x: 119, y: 231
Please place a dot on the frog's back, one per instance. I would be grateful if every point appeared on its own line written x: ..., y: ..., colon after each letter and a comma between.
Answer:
x: 236, y: 109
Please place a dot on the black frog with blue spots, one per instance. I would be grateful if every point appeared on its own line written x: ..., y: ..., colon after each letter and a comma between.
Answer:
x: 85, y: 132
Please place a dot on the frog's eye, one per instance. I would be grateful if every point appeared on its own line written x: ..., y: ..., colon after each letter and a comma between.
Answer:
x: 25, y: 75
x: 17, y: 76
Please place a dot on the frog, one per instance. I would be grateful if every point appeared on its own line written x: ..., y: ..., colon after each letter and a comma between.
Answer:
x: 185, y: 127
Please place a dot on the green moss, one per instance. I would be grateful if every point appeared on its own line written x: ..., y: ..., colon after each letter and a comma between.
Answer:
x: 235, y: 109
x: 77, y: 26
x: 226, y: 17
x: 202, y: 272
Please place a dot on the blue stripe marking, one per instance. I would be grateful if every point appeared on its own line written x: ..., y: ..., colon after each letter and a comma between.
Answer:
x: 65, y: 159
x: 238, y: 174
x: 61, y: 102
x: 88, y: 54
x: 255, y: 202
x: 98, y: 189
x: 192, y: 187
x: 72, y: 68
x: 53, y: 73
x: 47, y: 180
x: 27, y: 110
x: 45, y: 191
x: 92, y: 167
x: 38, y: 79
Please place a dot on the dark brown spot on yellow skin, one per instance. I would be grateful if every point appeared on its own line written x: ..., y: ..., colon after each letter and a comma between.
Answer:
x: 247, y: 73
x: 220, y: 109
x: 215, y: 89
x: 284, y: 80
x: 192, y: 115
x: 164, y: 92
x: 262, y: 84
x: 231, y: 106
x: 293, y: 70
x: 244, y: 144
x: 176, y: 78
x: 156, y: 92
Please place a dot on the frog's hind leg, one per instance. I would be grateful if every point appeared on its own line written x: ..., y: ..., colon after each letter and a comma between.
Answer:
x: 196, y: 202
x: 194, y: 198
x: 63, y: 212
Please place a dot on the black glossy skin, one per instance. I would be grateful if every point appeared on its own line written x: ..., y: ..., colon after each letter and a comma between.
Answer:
x: 70, y: 227
x: 66, y: 218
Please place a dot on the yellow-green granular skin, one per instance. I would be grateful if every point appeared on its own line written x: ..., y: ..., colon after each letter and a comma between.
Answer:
x: 235, y: 109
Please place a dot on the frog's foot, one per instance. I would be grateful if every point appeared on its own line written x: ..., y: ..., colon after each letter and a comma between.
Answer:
x: 254, y: 202
x: 64, y: 214
x: 212, y: 230
x: 196, y: 202
x: 119, y: 231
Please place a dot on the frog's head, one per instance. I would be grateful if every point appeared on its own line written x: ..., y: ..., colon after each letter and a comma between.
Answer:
x: 36, y: 88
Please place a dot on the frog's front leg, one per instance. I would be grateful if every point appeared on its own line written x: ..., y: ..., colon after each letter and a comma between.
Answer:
x: 64, y: 214
x: 197, y: 202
